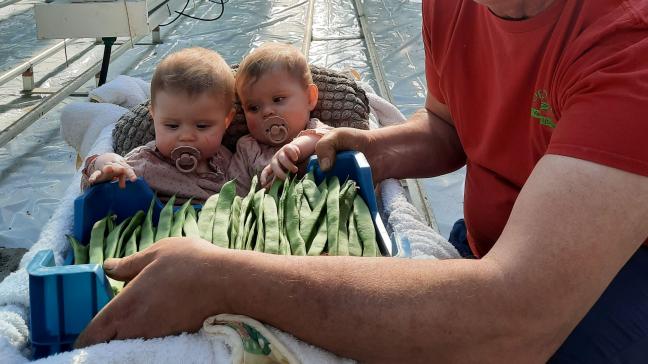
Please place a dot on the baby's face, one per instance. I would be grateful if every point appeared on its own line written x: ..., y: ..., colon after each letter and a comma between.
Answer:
x: 277, y: 93
x: 199, y: 121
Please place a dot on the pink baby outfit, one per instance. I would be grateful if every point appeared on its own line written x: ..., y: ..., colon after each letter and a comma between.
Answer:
x: 166, y: 180
x: 251, y: 156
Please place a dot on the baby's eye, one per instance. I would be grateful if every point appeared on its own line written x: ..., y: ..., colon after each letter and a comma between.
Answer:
x: 203, y: 126
x: 172, y: 126
x: 278, y: 98
x: 252, y: 108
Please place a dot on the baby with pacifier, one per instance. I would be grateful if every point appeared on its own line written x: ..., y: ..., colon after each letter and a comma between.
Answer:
x: 276, y: 90
x: 192, y: 104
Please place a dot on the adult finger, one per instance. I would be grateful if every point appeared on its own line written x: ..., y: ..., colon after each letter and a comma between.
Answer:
x: 125, y: 269
x: 103, y: 327
x: 339, y: 139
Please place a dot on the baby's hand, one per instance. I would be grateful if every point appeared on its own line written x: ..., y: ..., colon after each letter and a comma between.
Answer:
x: 284, y: 160
x: 112, y: 166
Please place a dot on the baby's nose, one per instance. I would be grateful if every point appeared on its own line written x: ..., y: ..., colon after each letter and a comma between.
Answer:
x: 268, y: 111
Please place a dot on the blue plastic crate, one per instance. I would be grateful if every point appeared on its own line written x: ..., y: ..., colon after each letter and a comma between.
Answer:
x: 354, y: 165
x: 65, y: 298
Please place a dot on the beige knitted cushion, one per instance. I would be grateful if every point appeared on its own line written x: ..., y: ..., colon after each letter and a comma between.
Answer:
x: 342, y: 103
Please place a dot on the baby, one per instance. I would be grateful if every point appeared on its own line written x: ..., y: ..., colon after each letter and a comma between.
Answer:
x: 277, y: 94
x: 192, y: 103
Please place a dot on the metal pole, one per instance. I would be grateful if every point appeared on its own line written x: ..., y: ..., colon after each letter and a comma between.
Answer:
x: 105, y: 62
x: 16, y: 127
x: 308, y: 34
x: 373, y: 54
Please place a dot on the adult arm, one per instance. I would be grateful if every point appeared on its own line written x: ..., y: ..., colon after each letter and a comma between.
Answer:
x: 572, y: 228
x: 426, y: 145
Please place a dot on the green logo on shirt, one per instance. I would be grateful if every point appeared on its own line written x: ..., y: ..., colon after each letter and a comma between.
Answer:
x: 541, y: 109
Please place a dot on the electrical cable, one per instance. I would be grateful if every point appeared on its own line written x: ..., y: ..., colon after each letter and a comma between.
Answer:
x: 182, y: 13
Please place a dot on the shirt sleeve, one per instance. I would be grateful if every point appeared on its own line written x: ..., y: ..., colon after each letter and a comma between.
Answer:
x: 603, y: 116
x: 432, y: 76
x: 315, y: 127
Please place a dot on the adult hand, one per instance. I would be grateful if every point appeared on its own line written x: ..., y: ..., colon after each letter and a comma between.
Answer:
x: 341, y: 139
x: 172, y: 288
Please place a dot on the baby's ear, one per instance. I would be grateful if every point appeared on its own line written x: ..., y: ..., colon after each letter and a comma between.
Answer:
x: 150, y: 109
x: 230, y: 117
x: 313, y: 94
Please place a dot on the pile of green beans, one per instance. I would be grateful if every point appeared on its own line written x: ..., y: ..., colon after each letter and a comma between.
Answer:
x: 294, y: 217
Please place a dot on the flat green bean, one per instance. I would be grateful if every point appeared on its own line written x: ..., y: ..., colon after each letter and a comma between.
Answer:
x: 271, y: 224
x: 304, y: 212
x: 333, y: 215
x: 297, y: 244
x: 233, y: 228
x: 309, y: 228
x: 222, y: 215
x: 134, y: 222
x: 165, y: 221
x: 347, y: 193
x: 259, y: 196
x: 190, y: 227
x: 81, y: 252
x: 319, y: 242
x: 206, y: 217
x: 274, y: 190
x: 179, y: 218
x: 131, y: 245
x: 247, y: 231
x: 147, y: 227
x: 110, y: 247
x: 97, y: 236
x: 284, y: 245
x: 365, y: 228
x: 239, y: 243
x: 355, y: 247
x: 311, y: 192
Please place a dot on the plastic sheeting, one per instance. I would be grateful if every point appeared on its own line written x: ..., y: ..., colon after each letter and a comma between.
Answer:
x: 36, y: 167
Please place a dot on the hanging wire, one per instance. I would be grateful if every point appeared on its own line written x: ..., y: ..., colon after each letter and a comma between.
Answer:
x: 182, y: 12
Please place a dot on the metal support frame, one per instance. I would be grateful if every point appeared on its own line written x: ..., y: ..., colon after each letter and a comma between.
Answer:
x: 17, y: 126
x: 28, y: 79
x: 308, y: 32
x: 155, y: 35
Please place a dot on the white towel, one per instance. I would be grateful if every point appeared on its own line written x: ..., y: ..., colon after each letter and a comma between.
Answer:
x: 124, y: 91
x: 81, y: 123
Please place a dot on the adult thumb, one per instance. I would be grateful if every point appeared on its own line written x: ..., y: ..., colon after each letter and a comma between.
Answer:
x: 125, y: 269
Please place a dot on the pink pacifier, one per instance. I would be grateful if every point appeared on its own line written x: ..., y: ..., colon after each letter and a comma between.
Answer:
x: 186, y: 158
x: 275, y: 129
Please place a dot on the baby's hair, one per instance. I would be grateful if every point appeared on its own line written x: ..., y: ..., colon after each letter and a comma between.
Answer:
x: 193, y: 71
x: 270, y: 57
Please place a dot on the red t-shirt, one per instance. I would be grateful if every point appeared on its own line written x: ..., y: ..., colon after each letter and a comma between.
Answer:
x: 572, y: 81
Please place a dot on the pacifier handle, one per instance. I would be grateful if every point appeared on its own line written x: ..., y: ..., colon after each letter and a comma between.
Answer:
x: 186, y: 158
x: 276, y: 129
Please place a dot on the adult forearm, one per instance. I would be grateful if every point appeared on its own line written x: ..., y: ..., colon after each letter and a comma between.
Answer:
x: 375, y: 309
x: 425, y: 146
